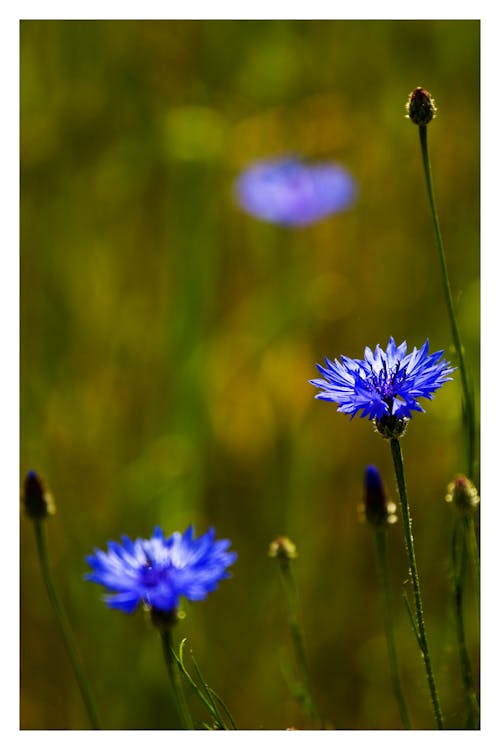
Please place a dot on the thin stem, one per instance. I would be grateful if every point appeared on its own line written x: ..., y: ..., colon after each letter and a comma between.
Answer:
x: 212, y: 696
x: 469, y: 410
x: 65, y: 629
x: 208, y: 697
x: 173, y: 673
x: 459, y: 554
x: 208, y: 703
x: 224, y: 708
x: 380, y: 539
x: 473, y: 553
x: 296, y: 633
x: 422, y: 640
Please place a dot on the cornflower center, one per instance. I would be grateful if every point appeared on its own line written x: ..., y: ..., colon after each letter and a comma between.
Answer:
x: 386, y: 383
x: 152, y: 574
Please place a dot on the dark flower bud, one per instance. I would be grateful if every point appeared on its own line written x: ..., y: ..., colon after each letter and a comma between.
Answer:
x: 462, y: 493
x: 377, y: 508
x: 164, y: 620
x: 420, y: 106
x: 391, y: 426
x: 37, y: 502
x: 283, y: 548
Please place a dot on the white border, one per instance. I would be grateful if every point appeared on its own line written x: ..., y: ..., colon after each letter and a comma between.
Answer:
x: 9, y: 296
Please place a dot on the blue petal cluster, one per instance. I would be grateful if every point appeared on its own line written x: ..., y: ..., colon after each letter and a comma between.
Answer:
x: 158, y: 571
x: 384, y: 383
x: 290, y: 192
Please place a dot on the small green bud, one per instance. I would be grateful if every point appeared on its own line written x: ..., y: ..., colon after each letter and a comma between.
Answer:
x: 283, y: 548
x: 420, y: 107
x: 462, y: 493
x: 37, y: 502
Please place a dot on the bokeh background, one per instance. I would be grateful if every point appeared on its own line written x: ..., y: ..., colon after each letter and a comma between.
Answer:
x: 167, y: 340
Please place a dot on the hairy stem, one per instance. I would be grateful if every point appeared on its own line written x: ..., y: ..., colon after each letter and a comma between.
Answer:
x: 422, y: 637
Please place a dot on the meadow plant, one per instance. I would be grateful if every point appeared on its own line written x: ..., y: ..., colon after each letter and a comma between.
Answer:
x: 156, y: 572
x: 38, y: 505
x: 386, y: 387
x: 285, y: 551
x: 421, y: 110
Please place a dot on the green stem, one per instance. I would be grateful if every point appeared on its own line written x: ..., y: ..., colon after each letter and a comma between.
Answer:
x: 459, y: 553
x: 380, y: 538
x: 64, y: 626
x: 422, y: 640
x: 469, y: 411
x: 296, y: 633
x: 473, y: 553
x: 173, y: 673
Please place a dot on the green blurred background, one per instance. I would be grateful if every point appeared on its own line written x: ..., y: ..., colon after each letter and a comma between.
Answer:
x: 167, y: 340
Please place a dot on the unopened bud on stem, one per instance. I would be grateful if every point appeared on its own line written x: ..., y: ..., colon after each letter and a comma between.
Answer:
x: 377, y: 508
x: 37, y: 502
x: 283, y: 548
x: 462, y: 493
x: 420, y: 106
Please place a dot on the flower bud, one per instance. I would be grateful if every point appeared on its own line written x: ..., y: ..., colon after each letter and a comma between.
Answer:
x: 462, y: 493
x: 37, y: 502
x: 391, y: 427
x: 162, y: 620
x: 420, y: 106
x: 283, y: 548
x: 377, y: 508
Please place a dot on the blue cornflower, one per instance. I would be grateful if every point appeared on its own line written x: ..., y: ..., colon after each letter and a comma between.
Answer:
x: 158, y: 571
x: 384, y: 384
x: 290, y: 192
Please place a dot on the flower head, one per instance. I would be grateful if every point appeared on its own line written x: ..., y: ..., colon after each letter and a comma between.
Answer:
x: 158, y: 571
x: 290, y: 192
x: 385, y: 384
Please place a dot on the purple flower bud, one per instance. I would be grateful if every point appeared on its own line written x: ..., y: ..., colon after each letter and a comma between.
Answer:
x: 378, y: 509
x: 37, y: 502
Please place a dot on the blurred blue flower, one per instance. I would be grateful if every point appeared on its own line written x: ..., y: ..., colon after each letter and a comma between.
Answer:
x: 384, y: 383
x: 290, y: 192
x: 158, y: 571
